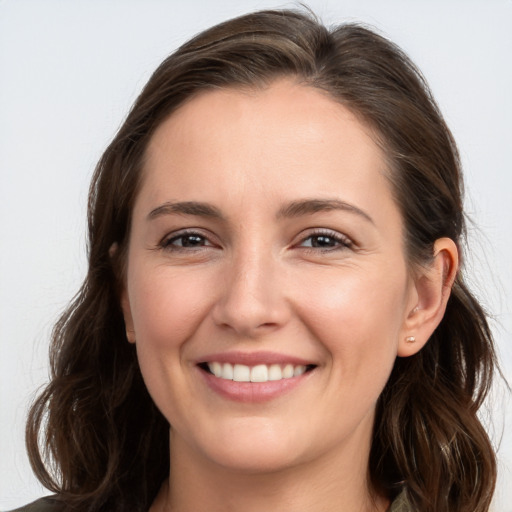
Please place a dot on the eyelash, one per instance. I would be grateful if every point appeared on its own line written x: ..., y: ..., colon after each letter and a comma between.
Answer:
x: 166, y: 243
x: 342, y: 242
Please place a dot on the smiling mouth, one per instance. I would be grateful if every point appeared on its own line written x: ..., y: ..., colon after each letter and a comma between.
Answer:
x: 256, y: 373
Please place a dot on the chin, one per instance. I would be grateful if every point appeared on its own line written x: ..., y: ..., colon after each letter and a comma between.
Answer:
x: 251, y: 460
x: 257, y: 448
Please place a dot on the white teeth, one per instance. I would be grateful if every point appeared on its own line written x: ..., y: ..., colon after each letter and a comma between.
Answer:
x: 258, y: 373
x: 227, y: 371
x: 288, y: 371
x: 241, y: 373
x: 299, y: 370
x: 216, y: 369
x: 275, y: 372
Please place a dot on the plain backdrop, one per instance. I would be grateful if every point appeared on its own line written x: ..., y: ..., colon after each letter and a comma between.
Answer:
x: 69, y: 71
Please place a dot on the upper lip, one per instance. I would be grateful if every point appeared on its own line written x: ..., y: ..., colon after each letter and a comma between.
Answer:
x: 254, y: 358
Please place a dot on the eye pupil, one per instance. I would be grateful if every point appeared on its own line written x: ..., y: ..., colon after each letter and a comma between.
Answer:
x: 323, y: 241
x: 191, y: 240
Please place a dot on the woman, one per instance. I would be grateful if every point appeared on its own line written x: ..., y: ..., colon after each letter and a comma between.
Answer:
x: 274, y: 272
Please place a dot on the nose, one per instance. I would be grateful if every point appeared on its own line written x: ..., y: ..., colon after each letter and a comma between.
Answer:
x: 252, y: 300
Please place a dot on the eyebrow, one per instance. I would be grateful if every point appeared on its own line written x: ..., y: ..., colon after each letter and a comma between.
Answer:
x: 310, y: 206
x: 186, y: 208
x: 290, y: 210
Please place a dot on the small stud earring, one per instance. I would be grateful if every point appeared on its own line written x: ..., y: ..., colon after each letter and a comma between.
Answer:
x: 410, y: 339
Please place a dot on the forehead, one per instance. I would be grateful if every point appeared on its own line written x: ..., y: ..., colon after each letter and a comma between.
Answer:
x: 295, y: 111
x: 285, y: 140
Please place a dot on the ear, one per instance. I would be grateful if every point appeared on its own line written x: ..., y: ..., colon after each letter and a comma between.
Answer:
x: 127, y: 314
x: 125, y: 302
x: 432, y: 287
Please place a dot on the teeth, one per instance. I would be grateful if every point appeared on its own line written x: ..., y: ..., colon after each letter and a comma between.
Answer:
x: 288, y: 371
x: 241, y: 373
x: 275, y: 372
x: 298, y: 370
x: 227, y: 371
x: 216, y: 369
x: 258, y: 373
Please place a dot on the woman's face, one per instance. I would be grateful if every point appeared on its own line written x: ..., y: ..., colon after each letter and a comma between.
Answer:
x: 266, y: 246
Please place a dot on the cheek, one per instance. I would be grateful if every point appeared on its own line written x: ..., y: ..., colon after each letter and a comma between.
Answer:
x: 166, y: 306
x: 167, y: 309
x: 356, y: 315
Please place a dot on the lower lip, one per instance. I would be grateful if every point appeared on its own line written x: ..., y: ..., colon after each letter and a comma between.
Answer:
x: 252, y: 392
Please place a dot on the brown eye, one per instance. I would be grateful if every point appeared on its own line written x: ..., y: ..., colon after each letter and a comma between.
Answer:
x: 326, y: 241
x: 323, y: 241
x: 185, y: 241
x: 189, y: 241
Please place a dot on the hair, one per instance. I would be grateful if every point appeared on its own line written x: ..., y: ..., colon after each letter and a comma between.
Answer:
x: 95, y: 436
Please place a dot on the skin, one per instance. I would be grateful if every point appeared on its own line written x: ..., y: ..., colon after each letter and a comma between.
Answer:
x: 261, y: 279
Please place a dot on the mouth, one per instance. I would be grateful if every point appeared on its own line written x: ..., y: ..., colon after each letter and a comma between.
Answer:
x: 254, y: 377
x: 257, y: 373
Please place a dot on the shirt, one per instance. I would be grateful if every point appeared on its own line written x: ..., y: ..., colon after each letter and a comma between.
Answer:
x: 49, y: 504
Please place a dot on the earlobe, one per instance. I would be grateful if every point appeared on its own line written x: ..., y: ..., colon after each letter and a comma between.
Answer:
x: 128, y: 320
x: 112, y: 251
x: 125, y: 303
x: 433, y: 287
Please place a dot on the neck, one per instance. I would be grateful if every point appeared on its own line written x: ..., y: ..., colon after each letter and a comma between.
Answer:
x: 325, y: 485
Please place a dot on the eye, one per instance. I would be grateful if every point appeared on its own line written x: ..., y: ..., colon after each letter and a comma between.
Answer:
x: 185, y: 240
x: 326, y: 241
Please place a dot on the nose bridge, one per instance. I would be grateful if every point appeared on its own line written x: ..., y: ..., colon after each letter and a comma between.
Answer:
x: 251, y: 298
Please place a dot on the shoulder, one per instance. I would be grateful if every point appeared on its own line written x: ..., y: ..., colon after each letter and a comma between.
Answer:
x: 47, y: 504
x: 400, y: 504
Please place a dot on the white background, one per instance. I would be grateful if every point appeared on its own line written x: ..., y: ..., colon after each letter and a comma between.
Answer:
x: 69, y: 71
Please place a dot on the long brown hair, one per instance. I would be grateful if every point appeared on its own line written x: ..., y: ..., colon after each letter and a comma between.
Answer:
x: 94, y: 435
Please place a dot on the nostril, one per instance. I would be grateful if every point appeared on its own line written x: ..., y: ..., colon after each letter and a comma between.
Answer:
x: 267, y: 324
